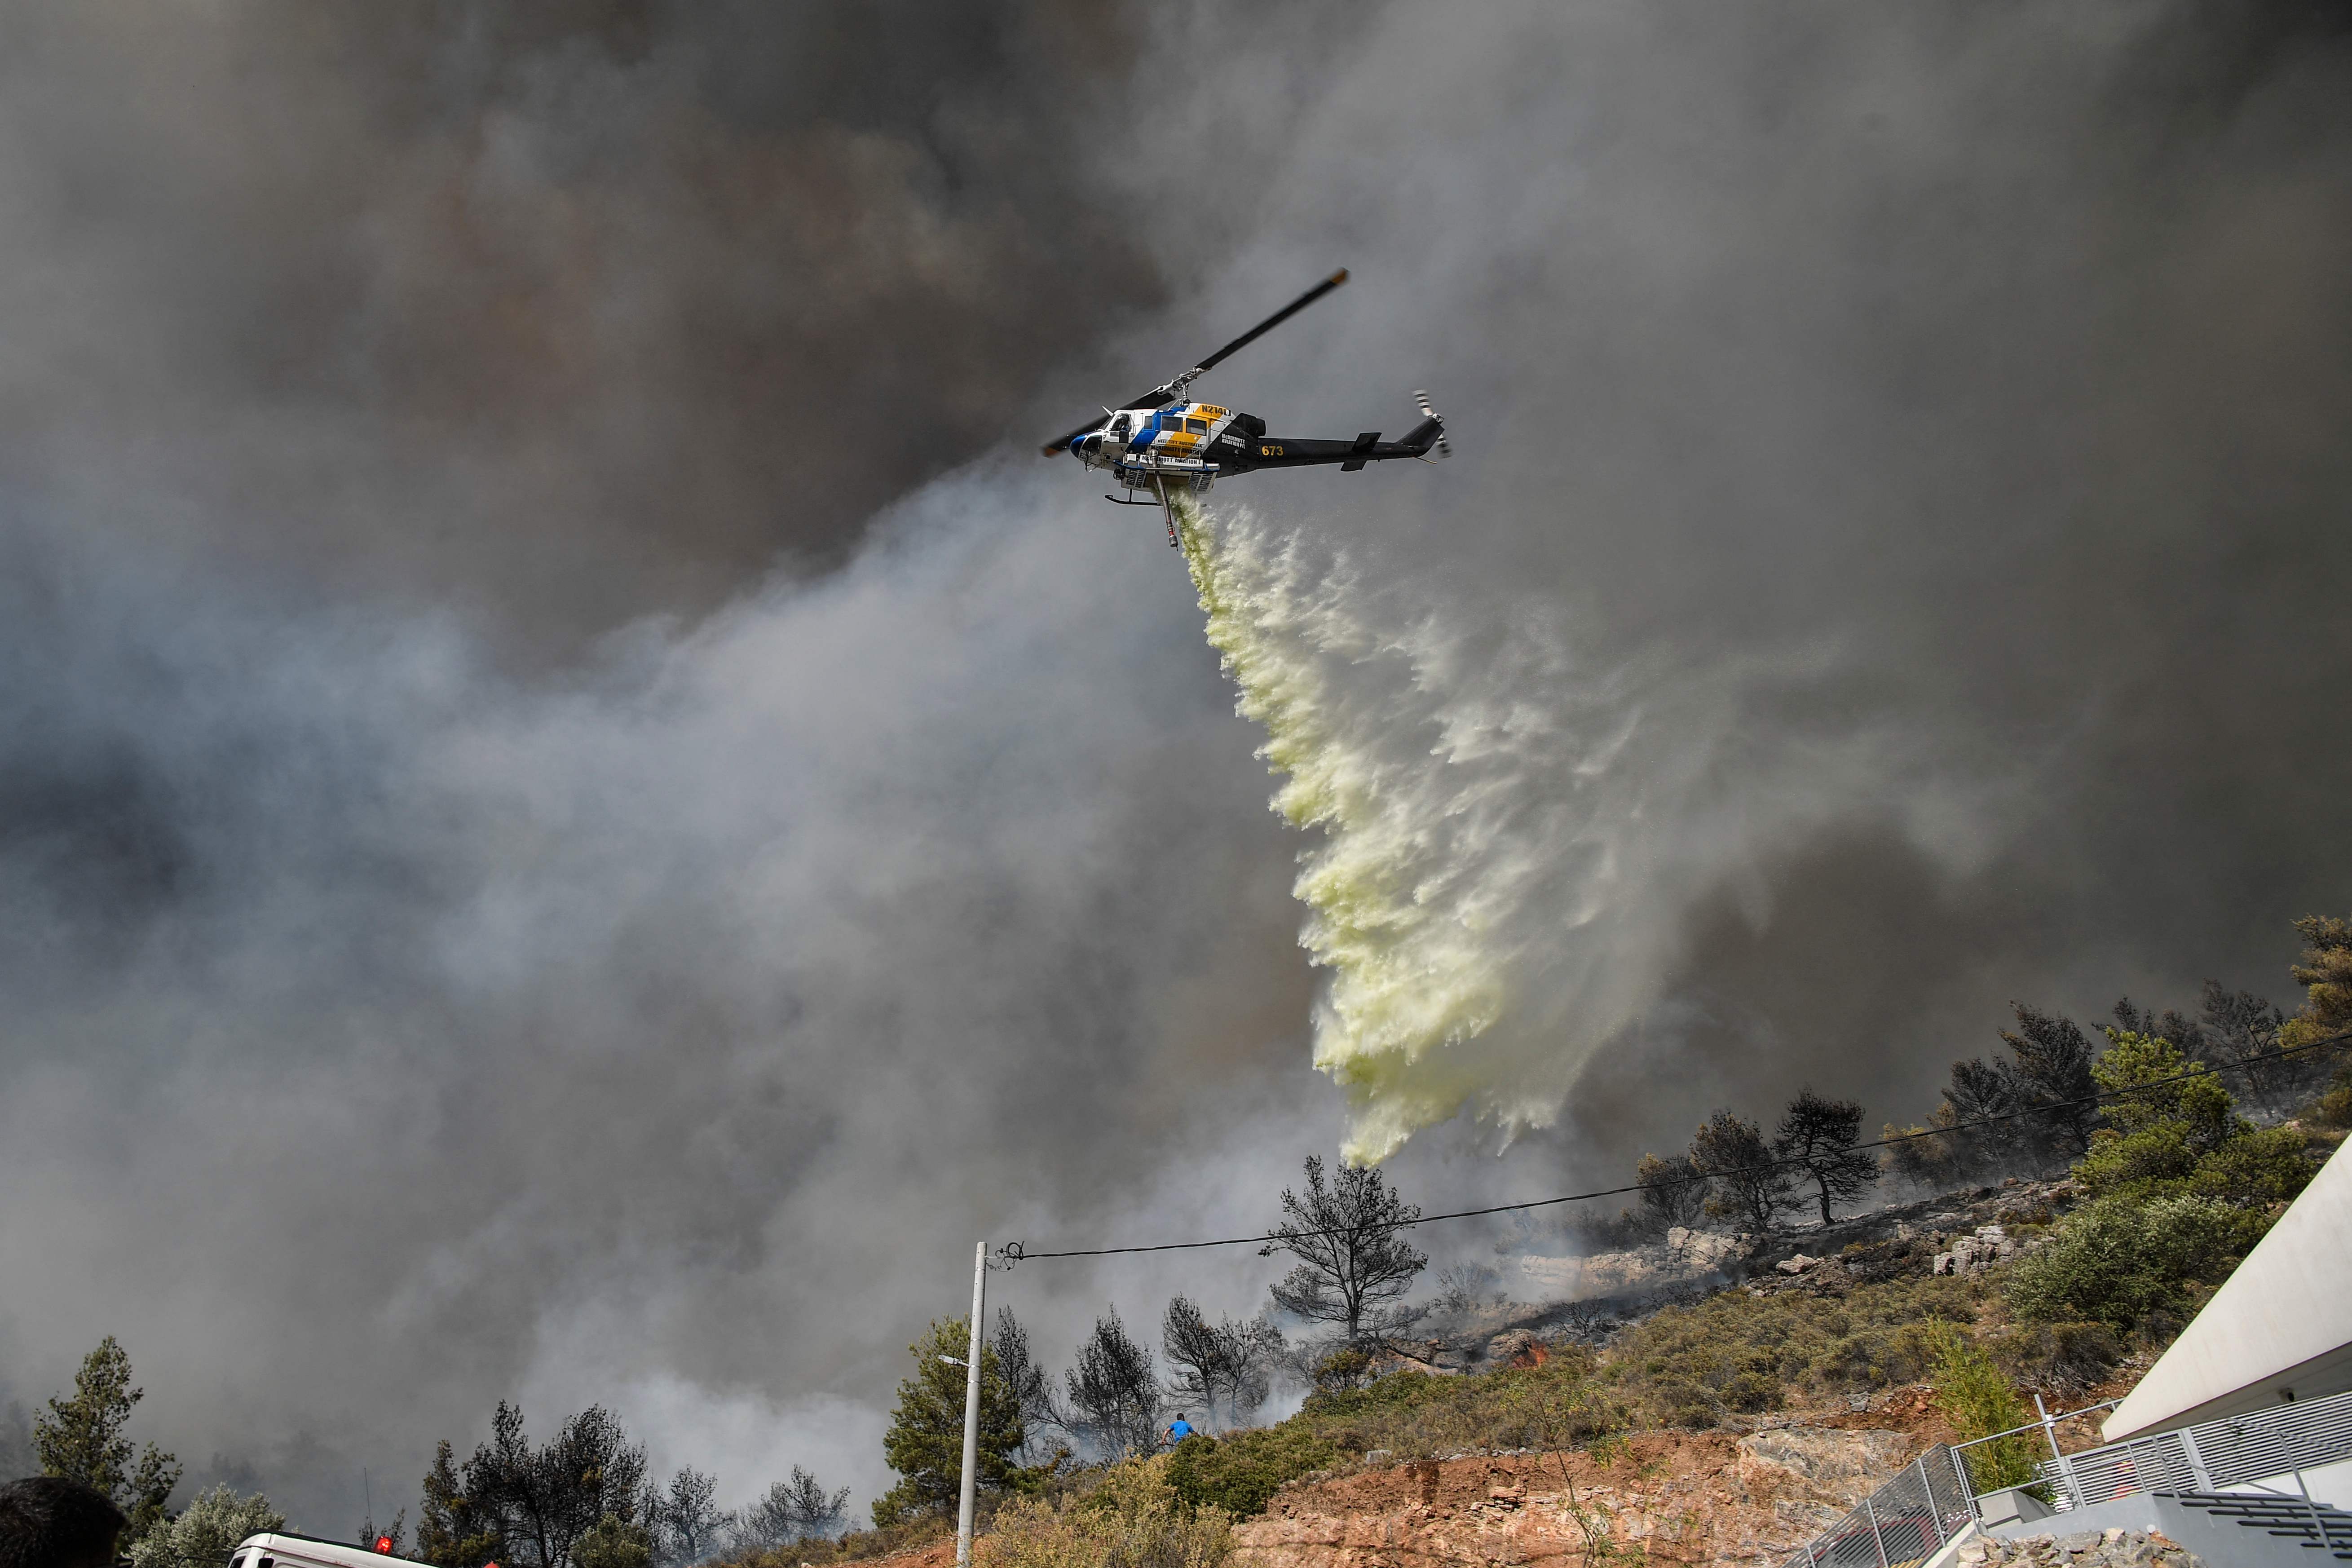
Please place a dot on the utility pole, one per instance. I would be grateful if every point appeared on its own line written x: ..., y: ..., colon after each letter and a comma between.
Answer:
x: 971, y: 1406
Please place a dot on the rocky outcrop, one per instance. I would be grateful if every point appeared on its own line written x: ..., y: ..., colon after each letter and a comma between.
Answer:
x: 2084, y: 1549
x: 1556, y: 1300
x: 1827, y: 1460
x: 1989, y: 1245
x: 1685, y: 1257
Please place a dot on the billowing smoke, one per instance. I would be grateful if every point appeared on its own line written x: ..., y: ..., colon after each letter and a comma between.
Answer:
x: 555, y: 314
x: 442, y: 1035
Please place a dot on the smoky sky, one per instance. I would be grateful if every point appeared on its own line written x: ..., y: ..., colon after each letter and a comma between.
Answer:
x: 579, y: 812
x: 572, y: 311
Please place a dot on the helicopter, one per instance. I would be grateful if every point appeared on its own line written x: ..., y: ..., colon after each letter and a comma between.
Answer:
x: 1169, y: 446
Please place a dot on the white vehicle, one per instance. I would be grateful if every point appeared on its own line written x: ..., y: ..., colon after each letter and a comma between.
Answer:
x: 282, y: 1551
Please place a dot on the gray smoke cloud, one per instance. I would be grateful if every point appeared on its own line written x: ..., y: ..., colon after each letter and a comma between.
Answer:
x: 565, y: 312
x: 578, y: 816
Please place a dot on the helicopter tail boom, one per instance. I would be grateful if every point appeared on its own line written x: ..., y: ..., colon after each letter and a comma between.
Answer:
x: 1299, y: 452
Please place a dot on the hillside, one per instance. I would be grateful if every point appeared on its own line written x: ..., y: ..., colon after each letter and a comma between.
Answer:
x: 1701, y: 1399
x: 1723, y: 1404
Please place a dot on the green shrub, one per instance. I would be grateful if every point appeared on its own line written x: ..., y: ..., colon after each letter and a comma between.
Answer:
x: 2335, y: 1107
x: 1344, y: 1368
x: 1979, y: 1401
x: 613, y: 1544
x: 2067, y: 1353
x: 2116, y: 1261
x: 2170, y: 1138
x: 1753, y: 1390
x: 207, y: 1531
x: 1241, y: 1471
x: 1689, y: 1366
x: 2256, y: 1168
x: 1394, y: 1391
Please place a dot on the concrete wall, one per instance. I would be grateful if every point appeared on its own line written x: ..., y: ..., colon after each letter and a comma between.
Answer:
x: 2280, y: 1326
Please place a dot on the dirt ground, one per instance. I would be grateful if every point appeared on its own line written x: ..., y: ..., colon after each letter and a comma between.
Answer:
x: 1735, y: 1496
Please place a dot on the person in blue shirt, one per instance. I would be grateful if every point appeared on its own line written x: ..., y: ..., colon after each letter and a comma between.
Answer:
x: 1179, y: 1429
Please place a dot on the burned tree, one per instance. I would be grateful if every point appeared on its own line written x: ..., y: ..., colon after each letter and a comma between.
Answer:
x: 685, y: 1521
x: 2052, y: 1072
x: 2242, y: 1030
x: 796, y: 1510
x: 1353, y: 1258
x: 1819, y: 1137
x: 1114, y: 1392
x: 1026, y: 1381
x: 1673, y: 1190
x: 1751, y: 1184
x: 2026, y: 1113
x: 540, y: 1500
x: 1207, y: 1362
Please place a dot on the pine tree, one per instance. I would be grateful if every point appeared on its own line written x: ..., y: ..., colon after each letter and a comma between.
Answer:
x: 796, y: 1510
x: 1749, y: 1184
x: 81, y: 1440
x: 450, y: 1530
x: 1226, y: 1360
x: 1820, y: 1135
x: 1674, y: 1191
x: 1114, y: 1392
x: 688, y: 1525
x: 924, y: 1442
x: 1349, y: 1237
x: 207, y: 1531
x: 2052, y: 1069
x: 1027, y: 1379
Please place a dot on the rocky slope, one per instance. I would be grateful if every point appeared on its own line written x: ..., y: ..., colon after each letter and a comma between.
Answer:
x: 1675, y: 1496
x: 1585, y: 1299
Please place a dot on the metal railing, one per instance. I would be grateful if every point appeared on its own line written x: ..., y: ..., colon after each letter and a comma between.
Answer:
x: 1913, y: 1515
x: 2211, y: 1456
x: 1906, y: 1521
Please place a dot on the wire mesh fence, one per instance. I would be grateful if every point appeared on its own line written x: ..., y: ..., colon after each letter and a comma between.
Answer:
x: 1906, y: 1521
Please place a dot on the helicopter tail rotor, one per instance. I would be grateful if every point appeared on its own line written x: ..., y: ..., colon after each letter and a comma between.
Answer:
x: 1431, y: 429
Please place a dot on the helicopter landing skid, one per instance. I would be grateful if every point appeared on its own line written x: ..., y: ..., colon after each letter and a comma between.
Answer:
x: 1167, y: 508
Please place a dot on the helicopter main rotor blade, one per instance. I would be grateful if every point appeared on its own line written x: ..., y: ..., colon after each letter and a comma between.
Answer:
x: 1274, y: 320
x: 1062, y: 443
x: 1162, y: 393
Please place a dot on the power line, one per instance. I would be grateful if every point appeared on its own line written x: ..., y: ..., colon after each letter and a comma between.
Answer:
x: 1013, y: 1252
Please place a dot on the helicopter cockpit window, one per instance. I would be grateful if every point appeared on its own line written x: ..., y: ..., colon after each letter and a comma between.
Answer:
x: 1119, y: 424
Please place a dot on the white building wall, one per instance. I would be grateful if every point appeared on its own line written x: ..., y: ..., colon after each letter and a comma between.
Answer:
x: 2280, y: 1327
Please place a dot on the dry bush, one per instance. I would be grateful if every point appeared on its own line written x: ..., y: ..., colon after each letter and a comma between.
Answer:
x: 1133, y: 1519
x: 1414, y: 1415
x: 1689, y: 1366
x: 859, y: 1545
x: 2070, y: 1357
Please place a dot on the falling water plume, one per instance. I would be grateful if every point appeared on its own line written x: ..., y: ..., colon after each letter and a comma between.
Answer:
x: 1417, y: 759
